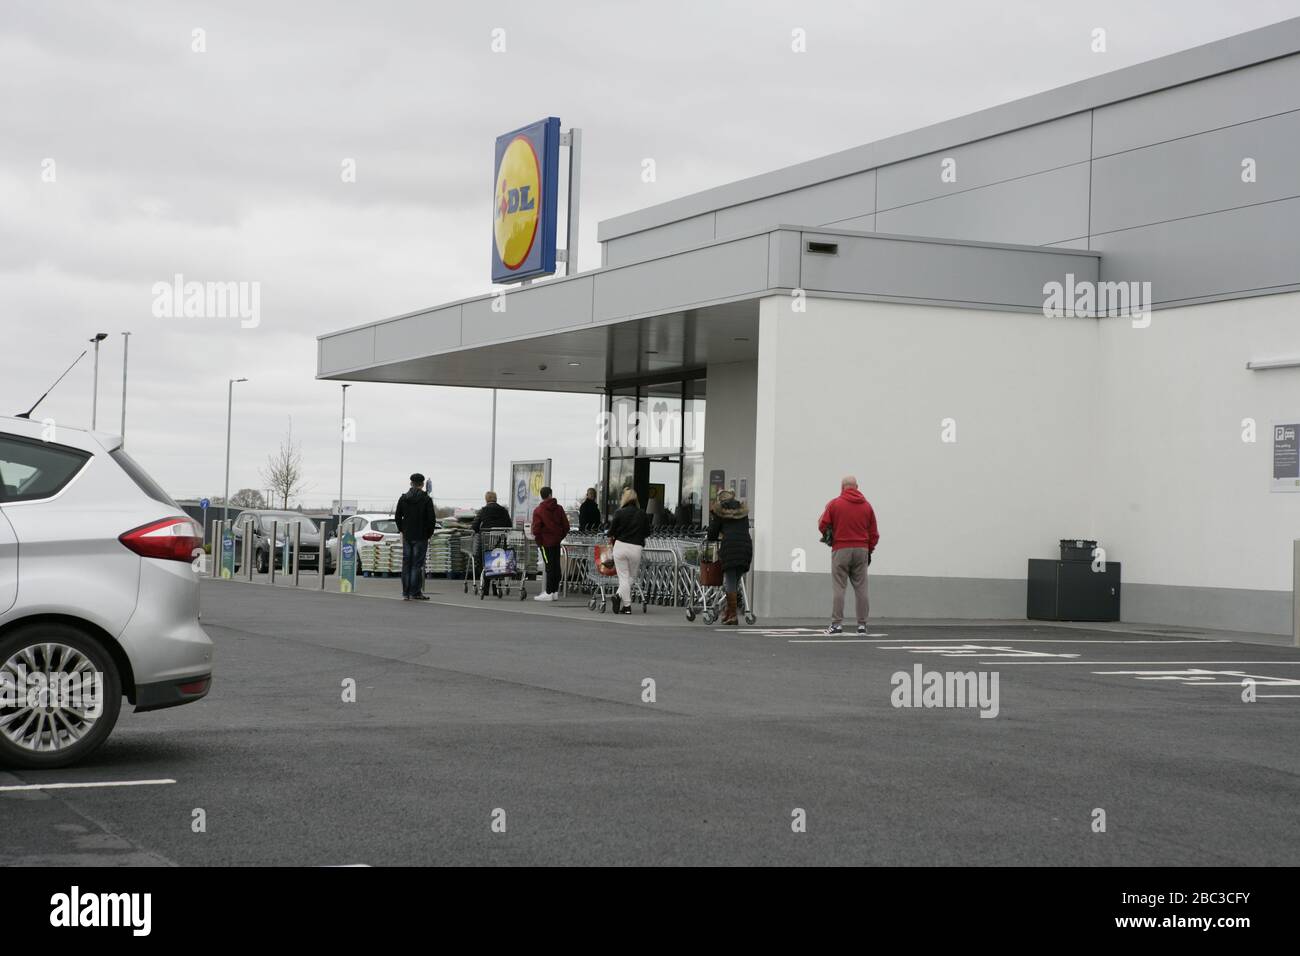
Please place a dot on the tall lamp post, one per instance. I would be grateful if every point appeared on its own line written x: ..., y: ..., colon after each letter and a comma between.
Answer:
x: 230, y: 402
x: 126, y: 341
x: 343, y: 444
x: 94, y: 398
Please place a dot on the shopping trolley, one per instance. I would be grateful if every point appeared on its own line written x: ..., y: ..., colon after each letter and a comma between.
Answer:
x: 495, y: 563
x: 708, y: 600
x: 603, y: 584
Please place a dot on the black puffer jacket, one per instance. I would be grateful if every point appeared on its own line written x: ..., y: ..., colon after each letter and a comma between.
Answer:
x: 629, y: 524
x: 730, y: 525
x: 492, y: 515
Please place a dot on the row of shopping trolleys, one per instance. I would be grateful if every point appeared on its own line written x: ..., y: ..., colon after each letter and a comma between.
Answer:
x: 669, y: 575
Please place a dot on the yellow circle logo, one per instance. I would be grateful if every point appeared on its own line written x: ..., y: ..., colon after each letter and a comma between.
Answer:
x: 518, y: 193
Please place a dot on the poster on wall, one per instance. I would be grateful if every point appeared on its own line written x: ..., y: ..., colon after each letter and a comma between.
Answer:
x: 526, y: 481
x: 717, y: 482
x: 1286, y: 456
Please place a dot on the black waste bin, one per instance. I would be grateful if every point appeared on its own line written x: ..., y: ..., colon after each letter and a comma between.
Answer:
x: 1072, y: 591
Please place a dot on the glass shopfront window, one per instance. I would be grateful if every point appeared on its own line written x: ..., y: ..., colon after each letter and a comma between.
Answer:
x: 655, y: 445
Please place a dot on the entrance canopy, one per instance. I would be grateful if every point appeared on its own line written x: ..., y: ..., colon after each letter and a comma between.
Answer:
x: 684, y: 310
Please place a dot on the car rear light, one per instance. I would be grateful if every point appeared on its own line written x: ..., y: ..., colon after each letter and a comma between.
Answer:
x: 195, y: 686
x: 372, y: 536
x: 172, y: 539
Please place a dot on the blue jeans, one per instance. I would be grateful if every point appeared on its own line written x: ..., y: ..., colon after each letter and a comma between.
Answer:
x: 413, y: 554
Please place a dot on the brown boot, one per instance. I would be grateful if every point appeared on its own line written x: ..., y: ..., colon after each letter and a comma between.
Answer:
x: 729, y: 615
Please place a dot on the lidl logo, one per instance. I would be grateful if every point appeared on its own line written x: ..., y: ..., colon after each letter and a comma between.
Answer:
x: 523, y: 201
x: 518, y: 187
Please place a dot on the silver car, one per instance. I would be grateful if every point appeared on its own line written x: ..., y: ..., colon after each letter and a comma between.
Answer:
x: 99, y: 594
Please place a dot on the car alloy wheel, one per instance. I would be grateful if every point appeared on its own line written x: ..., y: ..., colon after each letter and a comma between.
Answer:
x: 59, y: 696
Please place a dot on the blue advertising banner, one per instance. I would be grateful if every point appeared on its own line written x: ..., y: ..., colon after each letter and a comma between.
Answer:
x: 524, y: 203
x: 348, y: 562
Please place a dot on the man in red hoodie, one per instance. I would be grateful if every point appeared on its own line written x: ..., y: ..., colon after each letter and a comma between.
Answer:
x: 550, y: 525
x: 852, y: 523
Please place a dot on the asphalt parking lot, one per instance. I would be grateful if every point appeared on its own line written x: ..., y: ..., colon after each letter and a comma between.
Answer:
x: 534, y: 718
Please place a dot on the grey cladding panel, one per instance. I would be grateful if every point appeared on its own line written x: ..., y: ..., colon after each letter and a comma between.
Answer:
x: 1009, y: 156
x: 1197, y: 174
x: 421, y: 334
x: 660, y: 285
x: 654, y: 242
x: 816, y: 205
x: 542, y: 307
x: 1240, y: 250
x: 1245, y: 94
x: 928, y: 270
x: 1033, y: 211
x: 347, y: 350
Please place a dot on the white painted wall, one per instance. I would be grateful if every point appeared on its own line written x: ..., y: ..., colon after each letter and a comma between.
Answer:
x: 730, y: 411
x: 862, y: 388
x: 1064, y: 427
x: 1185, y: 500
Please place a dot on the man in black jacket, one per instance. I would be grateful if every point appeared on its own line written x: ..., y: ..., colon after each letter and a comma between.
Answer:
x: 491, y: 515
x: 589, y: 514
x: 416, y: 520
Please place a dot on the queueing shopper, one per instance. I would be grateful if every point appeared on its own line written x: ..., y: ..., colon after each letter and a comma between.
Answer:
x: 851, y: 521
x: 627, y: 532
x: 491, y: 515
x: 550, y: 525
x: 589, y: 513
x: 729, y: 525
x: 416, y: 520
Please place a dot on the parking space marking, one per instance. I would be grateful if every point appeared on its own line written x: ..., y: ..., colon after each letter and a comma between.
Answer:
x: 1147, y: 663
x: 973, y: 650
x: 85, y: 786
x: 963, y: 640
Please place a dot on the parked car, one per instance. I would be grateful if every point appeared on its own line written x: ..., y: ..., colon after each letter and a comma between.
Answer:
x: 370, y: 529
x: 260, y: 524
x: 99, y: 594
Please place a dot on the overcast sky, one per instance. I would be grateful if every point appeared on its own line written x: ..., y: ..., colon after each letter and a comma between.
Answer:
x: 225, y: 165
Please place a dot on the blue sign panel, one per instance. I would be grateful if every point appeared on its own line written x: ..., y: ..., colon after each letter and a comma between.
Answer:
x: 524, y: 203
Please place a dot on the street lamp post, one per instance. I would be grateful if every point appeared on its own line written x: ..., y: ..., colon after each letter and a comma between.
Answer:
x: 343, y: 444
x: 94, y: 398
x: 492, y: 465
x: 230, y: 402
x: 126, y: 341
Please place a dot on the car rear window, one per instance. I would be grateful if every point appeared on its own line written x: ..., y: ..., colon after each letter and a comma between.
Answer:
x: 141, y: 477
x: 387, y: 527
x: 31, y: 470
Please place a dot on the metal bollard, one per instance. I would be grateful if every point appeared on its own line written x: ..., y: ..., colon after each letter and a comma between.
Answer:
x: 271, y: 548
x: 297, y: 551
x: 214, y: 570
x: 248, y: 553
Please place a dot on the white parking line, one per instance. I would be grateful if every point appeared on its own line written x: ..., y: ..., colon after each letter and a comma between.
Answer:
x: 82, y: 786
x: 1144, y: 663
x: 960, y: 640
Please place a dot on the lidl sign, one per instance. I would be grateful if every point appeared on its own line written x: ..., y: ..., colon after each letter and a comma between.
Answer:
x: 524, y: 207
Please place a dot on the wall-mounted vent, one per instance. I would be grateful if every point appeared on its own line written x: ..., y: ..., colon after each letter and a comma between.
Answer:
x: 823, y: 248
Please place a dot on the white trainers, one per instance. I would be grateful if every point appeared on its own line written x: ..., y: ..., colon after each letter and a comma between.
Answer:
x: 546, y: 597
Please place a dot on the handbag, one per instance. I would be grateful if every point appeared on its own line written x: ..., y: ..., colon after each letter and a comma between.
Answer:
x: 604, y: 558
x: 710, y: 566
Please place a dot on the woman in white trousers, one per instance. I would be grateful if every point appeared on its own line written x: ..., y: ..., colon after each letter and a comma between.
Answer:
x: 627, y: 532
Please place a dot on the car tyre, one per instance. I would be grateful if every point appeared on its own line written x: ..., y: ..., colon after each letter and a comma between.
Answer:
x: 32, y: 638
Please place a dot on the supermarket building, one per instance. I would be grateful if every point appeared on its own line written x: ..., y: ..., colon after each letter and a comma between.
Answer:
x: 884, y: 311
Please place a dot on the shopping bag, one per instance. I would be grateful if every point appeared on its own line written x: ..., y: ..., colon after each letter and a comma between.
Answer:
x: 604, y: 559
x: 499, y: 562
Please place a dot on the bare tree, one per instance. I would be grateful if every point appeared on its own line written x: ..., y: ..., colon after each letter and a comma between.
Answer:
x: 248, y: 498
x: 283, y: 472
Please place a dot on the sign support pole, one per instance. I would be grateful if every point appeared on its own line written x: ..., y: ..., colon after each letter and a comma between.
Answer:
x: 572, y: 139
